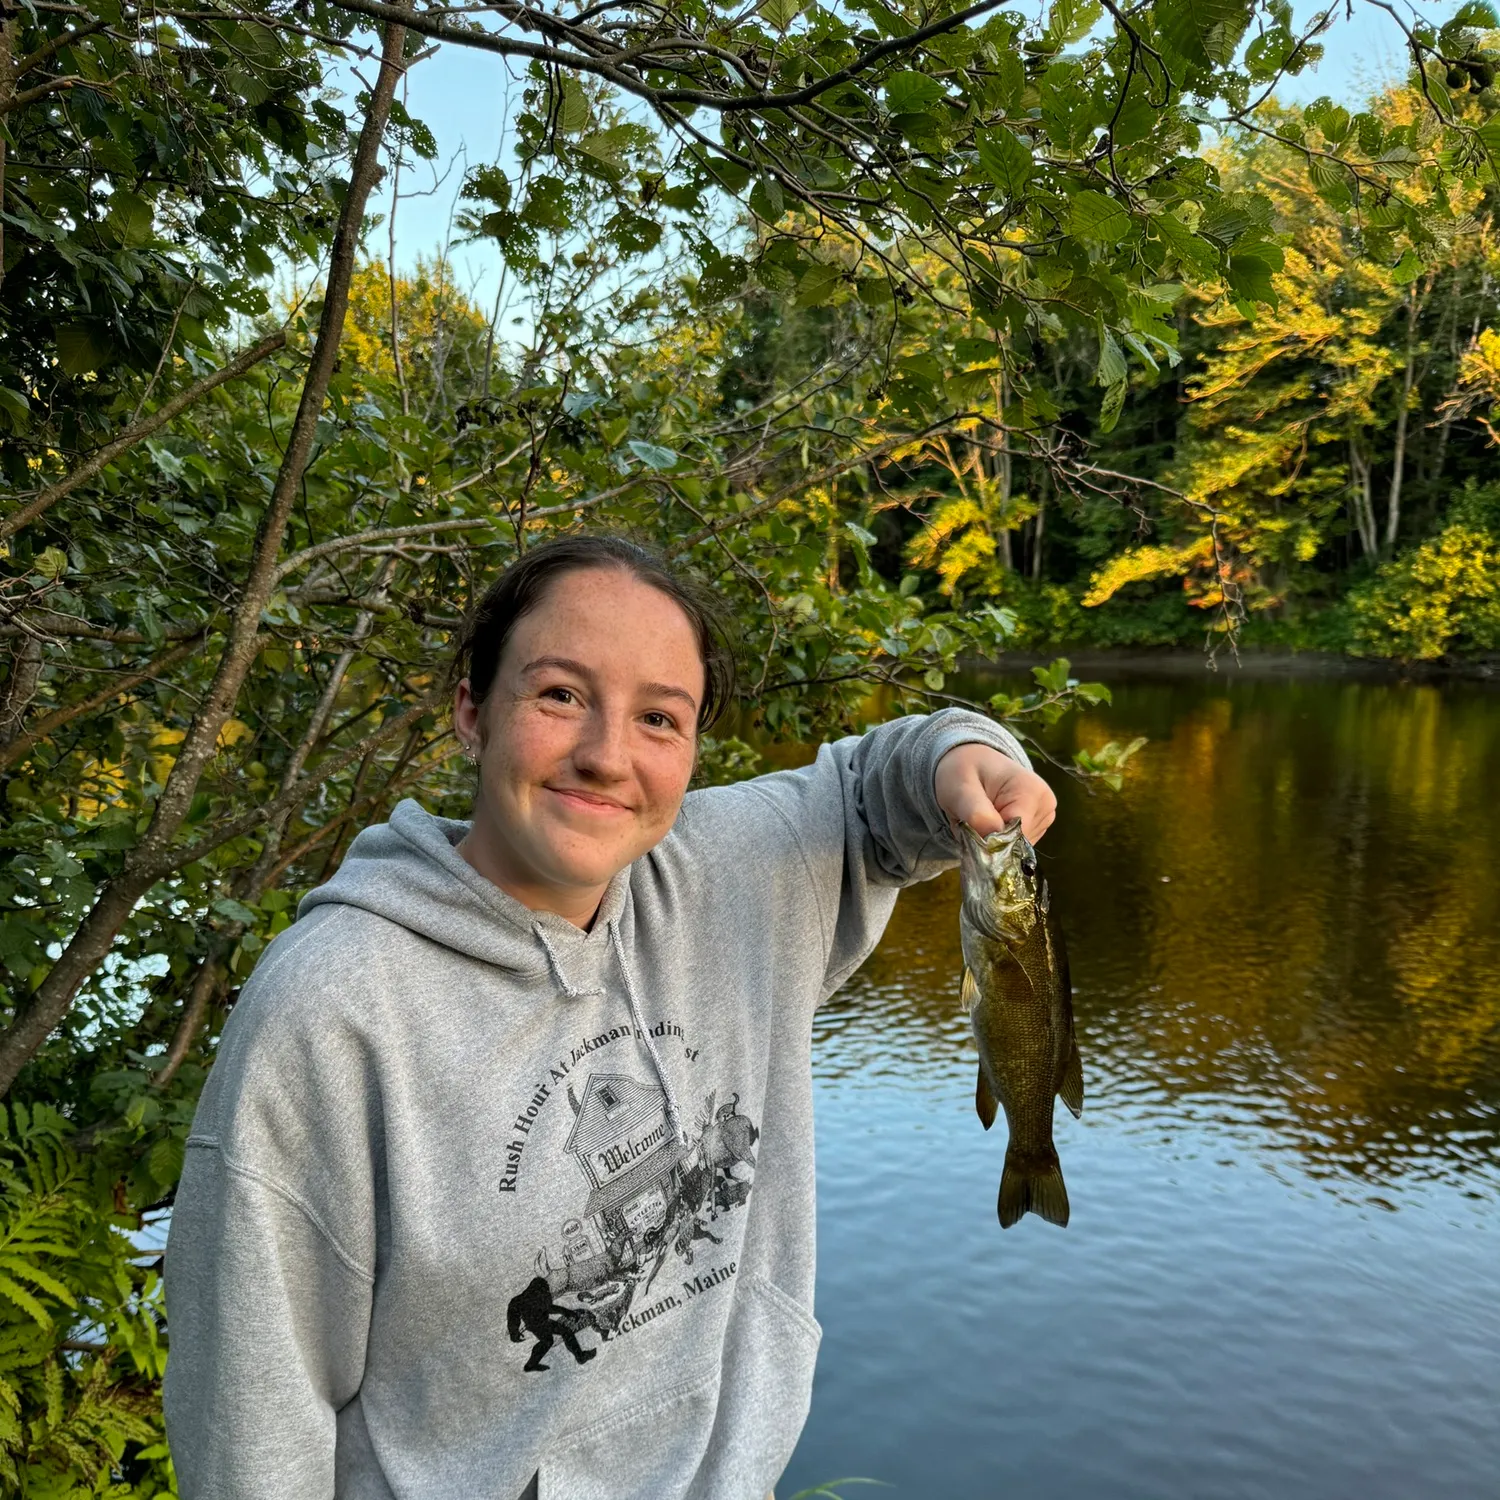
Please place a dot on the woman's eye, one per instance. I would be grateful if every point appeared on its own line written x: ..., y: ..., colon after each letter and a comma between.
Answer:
x: 559, y: 694
x: 659, y: 720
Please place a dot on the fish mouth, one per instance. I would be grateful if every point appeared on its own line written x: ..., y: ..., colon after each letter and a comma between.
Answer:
x: 987, y: 846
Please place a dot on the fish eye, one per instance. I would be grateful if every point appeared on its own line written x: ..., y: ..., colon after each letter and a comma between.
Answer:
x: 1028, y: 868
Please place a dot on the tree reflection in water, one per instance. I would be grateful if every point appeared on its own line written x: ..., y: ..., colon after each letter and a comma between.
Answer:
x: 1286, y: 926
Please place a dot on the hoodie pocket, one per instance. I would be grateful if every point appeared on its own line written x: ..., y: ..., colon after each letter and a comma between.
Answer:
x: 723, y: 1433
x: 647, y: 1451
x: 769, y: 1355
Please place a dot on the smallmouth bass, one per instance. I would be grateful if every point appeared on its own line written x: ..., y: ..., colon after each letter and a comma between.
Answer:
x: 1020, y: 1003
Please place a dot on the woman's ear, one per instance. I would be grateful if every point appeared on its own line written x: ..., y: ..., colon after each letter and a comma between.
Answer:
x: 467, y: 718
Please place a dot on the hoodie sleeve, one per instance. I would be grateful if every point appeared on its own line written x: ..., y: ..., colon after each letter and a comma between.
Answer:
x: 865, y: 817
x: 270, y: 1258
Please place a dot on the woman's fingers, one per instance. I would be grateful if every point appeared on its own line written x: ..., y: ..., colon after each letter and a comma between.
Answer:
x: 979, y: 786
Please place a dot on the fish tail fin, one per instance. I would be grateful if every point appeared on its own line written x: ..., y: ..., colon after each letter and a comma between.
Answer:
x: 985, y: 1103
x: 1033, y: 1184
x: 1070, y: 1089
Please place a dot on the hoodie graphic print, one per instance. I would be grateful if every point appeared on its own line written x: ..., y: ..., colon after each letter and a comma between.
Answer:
x: 473, y: 1195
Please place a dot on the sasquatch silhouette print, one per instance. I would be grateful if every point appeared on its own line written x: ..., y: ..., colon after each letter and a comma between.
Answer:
x: 536, y: 1312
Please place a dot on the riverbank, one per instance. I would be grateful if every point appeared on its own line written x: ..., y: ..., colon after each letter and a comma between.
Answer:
x: 1184, y: 661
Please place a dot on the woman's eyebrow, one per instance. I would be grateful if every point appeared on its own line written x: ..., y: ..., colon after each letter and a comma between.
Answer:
x: 556, y: 663
x: 666, y: 690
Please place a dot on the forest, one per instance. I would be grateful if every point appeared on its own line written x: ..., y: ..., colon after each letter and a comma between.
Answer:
x: 926, y: 333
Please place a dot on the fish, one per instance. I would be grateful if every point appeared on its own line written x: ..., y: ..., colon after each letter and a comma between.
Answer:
x: 1020, y: 1003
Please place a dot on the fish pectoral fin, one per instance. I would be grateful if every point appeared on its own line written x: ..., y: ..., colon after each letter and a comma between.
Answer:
x: 1070, y: 1087
x: 968, y: 993
x: 985, y: 1103
x: 1033, y: 1184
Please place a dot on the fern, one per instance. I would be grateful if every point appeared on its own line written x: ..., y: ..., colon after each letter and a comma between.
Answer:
x: 81, y: 1351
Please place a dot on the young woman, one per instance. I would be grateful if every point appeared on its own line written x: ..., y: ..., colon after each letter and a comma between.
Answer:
x: 503, y: 1179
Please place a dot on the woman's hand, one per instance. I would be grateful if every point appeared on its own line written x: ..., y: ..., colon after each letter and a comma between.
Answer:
x: 980, y: 786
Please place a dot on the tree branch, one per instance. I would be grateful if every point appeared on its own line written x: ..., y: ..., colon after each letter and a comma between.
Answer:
x: 155, y: 853
x: 22, y: 745
x: 132, y: 435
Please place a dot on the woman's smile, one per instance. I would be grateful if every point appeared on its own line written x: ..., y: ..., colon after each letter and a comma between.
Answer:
x: 586, y: 801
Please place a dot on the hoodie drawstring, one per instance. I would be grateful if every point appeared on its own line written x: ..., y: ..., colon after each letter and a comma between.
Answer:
x: 574, y: 992
x: 674, y: 1118
x: 568, y: 988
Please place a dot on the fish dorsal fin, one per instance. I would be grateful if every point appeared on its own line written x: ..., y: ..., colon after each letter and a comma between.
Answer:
x: 1070, y: 1086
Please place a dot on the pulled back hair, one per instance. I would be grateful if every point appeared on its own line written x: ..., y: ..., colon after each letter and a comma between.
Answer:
x: 524, y: 584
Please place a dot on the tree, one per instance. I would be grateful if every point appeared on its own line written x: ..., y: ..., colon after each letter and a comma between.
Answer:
x: 1301, y: 412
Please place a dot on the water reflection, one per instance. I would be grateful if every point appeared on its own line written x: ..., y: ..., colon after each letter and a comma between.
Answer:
x: 1281, y: 1277
x: 1287, y: 922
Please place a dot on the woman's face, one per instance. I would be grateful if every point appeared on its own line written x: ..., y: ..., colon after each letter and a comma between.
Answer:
x: 586, y: 739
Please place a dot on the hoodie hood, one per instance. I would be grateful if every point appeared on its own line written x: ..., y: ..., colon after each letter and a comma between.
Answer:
x: 409, y: 871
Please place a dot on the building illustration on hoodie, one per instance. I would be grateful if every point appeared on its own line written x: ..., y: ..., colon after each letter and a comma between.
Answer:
x: 651, y: 1200
x: 474, y: 1195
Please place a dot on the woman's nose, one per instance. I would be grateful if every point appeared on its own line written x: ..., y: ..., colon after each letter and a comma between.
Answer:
x: 602, y: 747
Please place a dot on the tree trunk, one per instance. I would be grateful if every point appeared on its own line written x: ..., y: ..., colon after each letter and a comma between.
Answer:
x: 19, y: 689
x: 1363, y: 504
x: 1039, y: 530
x: 1398, y: 461
x: 35, y: 1019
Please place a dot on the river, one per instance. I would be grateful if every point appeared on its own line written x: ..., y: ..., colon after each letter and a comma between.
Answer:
x: 1282, y: 1275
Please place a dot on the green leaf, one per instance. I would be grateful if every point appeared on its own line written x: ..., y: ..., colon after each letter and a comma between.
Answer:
x: 1112, y: 367
x: 1475, y: 13
x: 1111, y: 406
x: 51, y: 563
x: 81, y: 350
x: 1194, y: 253
x: 909, y: 93
x: 1205, y: 32
x: 1006, y: 160
x: 722, y: 276
x: 1098, y: 217
x: 164, y: 1160
x: 1407, y: 269
x: 1250, y: 277
x: 236, y: 911
x: 653, y: 455
x: 1072, y: 20
x: 781, y: 13
x: 23, y: 1299
x: 16, y: 408
x: 818, y: 284
x: 766, y: 200
x: 130, y: 216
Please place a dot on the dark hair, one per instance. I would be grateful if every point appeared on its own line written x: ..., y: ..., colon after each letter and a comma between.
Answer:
x: 524, y: 584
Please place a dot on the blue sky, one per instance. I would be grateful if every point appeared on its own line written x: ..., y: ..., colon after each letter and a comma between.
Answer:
x: 462, y: 96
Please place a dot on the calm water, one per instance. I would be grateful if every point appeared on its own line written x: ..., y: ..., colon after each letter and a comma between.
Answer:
x: 1282, y: 1276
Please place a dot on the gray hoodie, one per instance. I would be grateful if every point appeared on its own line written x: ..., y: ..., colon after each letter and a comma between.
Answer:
x: 473, y: 1194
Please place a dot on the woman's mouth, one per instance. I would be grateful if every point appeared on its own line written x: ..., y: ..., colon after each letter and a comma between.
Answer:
x: 591, y: 802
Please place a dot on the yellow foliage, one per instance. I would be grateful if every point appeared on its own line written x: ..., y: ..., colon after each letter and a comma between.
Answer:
x: 1443, y: 596
x: 1139, y: 564
x: 1479, y: 377
x: 433, y: 317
